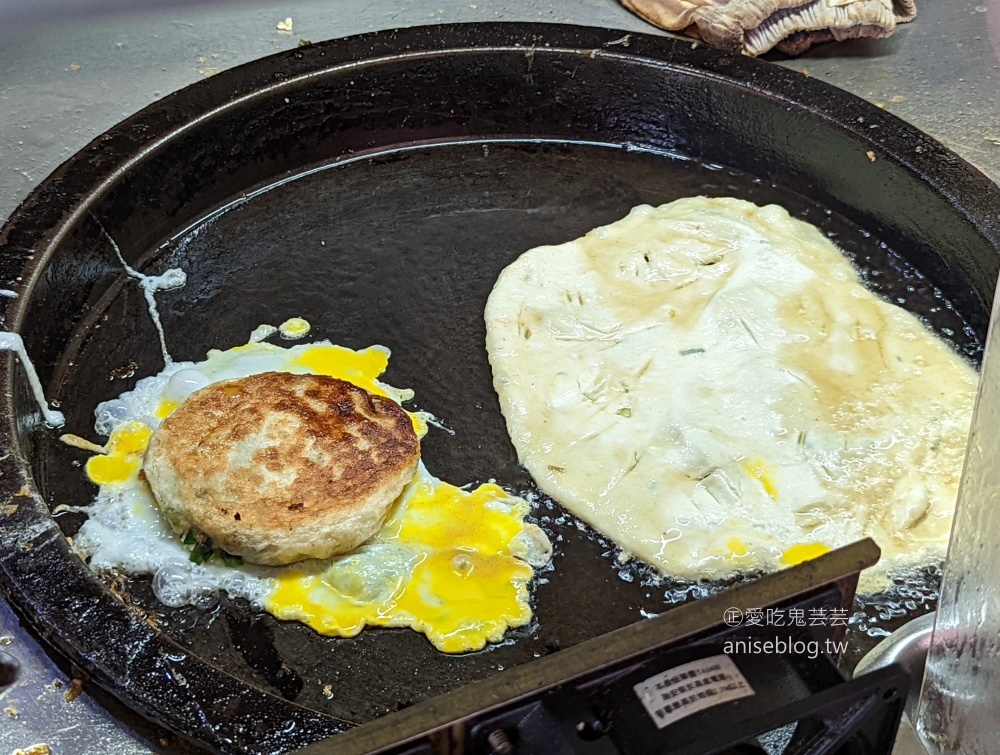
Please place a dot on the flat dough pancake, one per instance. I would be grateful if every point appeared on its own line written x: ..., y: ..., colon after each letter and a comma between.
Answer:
x: 708, y: 384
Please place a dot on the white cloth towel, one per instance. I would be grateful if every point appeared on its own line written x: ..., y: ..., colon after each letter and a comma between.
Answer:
x: 792, y: 26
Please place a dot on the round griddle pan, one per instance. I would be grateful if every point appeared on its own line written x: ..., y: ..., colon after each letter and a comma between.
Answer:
x: 376, y: 186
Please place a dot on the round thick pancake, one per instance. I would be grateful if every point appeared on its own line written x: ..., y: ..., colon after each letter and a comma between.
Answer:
x: 278, y: 468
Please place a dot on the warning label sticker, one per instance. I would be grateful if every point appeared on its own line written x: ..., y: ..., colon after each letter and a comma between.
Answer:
x: 678, y: 692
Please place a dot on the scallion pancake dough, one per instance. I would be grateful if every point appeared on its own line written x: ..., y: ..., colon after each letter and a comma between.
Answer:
x: 708, y: 384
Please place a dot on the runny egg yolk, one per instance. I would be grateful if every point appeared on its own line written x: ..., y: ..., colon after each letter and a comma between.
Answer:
x: 792, y: 556
x: 359, y: 367
x: 737, y: 548
x: 125, y: 449
x: 759, y: 471
x: 165, y: 409
x: 803, y: 552
x: 455, y: 578
x: 362, y: 368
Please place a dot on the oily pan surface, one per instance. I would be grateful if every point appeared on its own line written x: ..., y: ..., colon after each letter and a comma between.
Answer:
x: 403, y: 250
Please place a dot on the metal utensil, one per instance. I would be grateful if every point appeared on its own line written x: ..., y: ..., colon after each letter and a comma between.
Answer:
x: 907, y: 646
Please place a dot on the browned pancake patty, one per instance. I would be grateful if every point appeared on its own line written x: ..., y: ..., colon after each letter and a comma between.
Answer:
x: 278, y: 467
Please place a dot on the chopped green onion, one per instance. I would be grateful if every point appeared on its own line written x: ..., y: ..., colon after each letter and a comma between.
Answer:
x: 201, y: 553
x: 230, y: 560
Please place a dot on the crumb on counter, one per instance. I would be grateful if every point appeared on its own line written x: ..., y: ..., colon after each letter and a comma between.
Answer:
x: 285, y: 25
x: 54, y: 686
x: 75, y: 690
x: 871, y: 156
x: 37, y: 749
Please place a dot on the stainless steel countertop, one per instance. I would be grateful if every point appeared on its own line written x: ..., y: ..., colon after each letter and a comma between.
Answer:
x: 66, y: 80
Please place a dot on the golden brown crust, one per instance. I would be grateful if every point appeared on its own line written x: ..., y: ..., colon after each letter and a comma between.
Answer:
x: 270, y: 464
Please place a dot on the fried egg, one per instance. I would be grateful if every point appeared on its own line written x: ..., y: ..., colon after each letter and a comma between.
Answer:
x: 453, y: 564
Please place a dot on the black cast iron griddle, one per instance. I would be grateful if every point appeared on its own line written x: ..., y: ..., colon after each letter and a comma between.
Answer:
x: 424, y: 161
